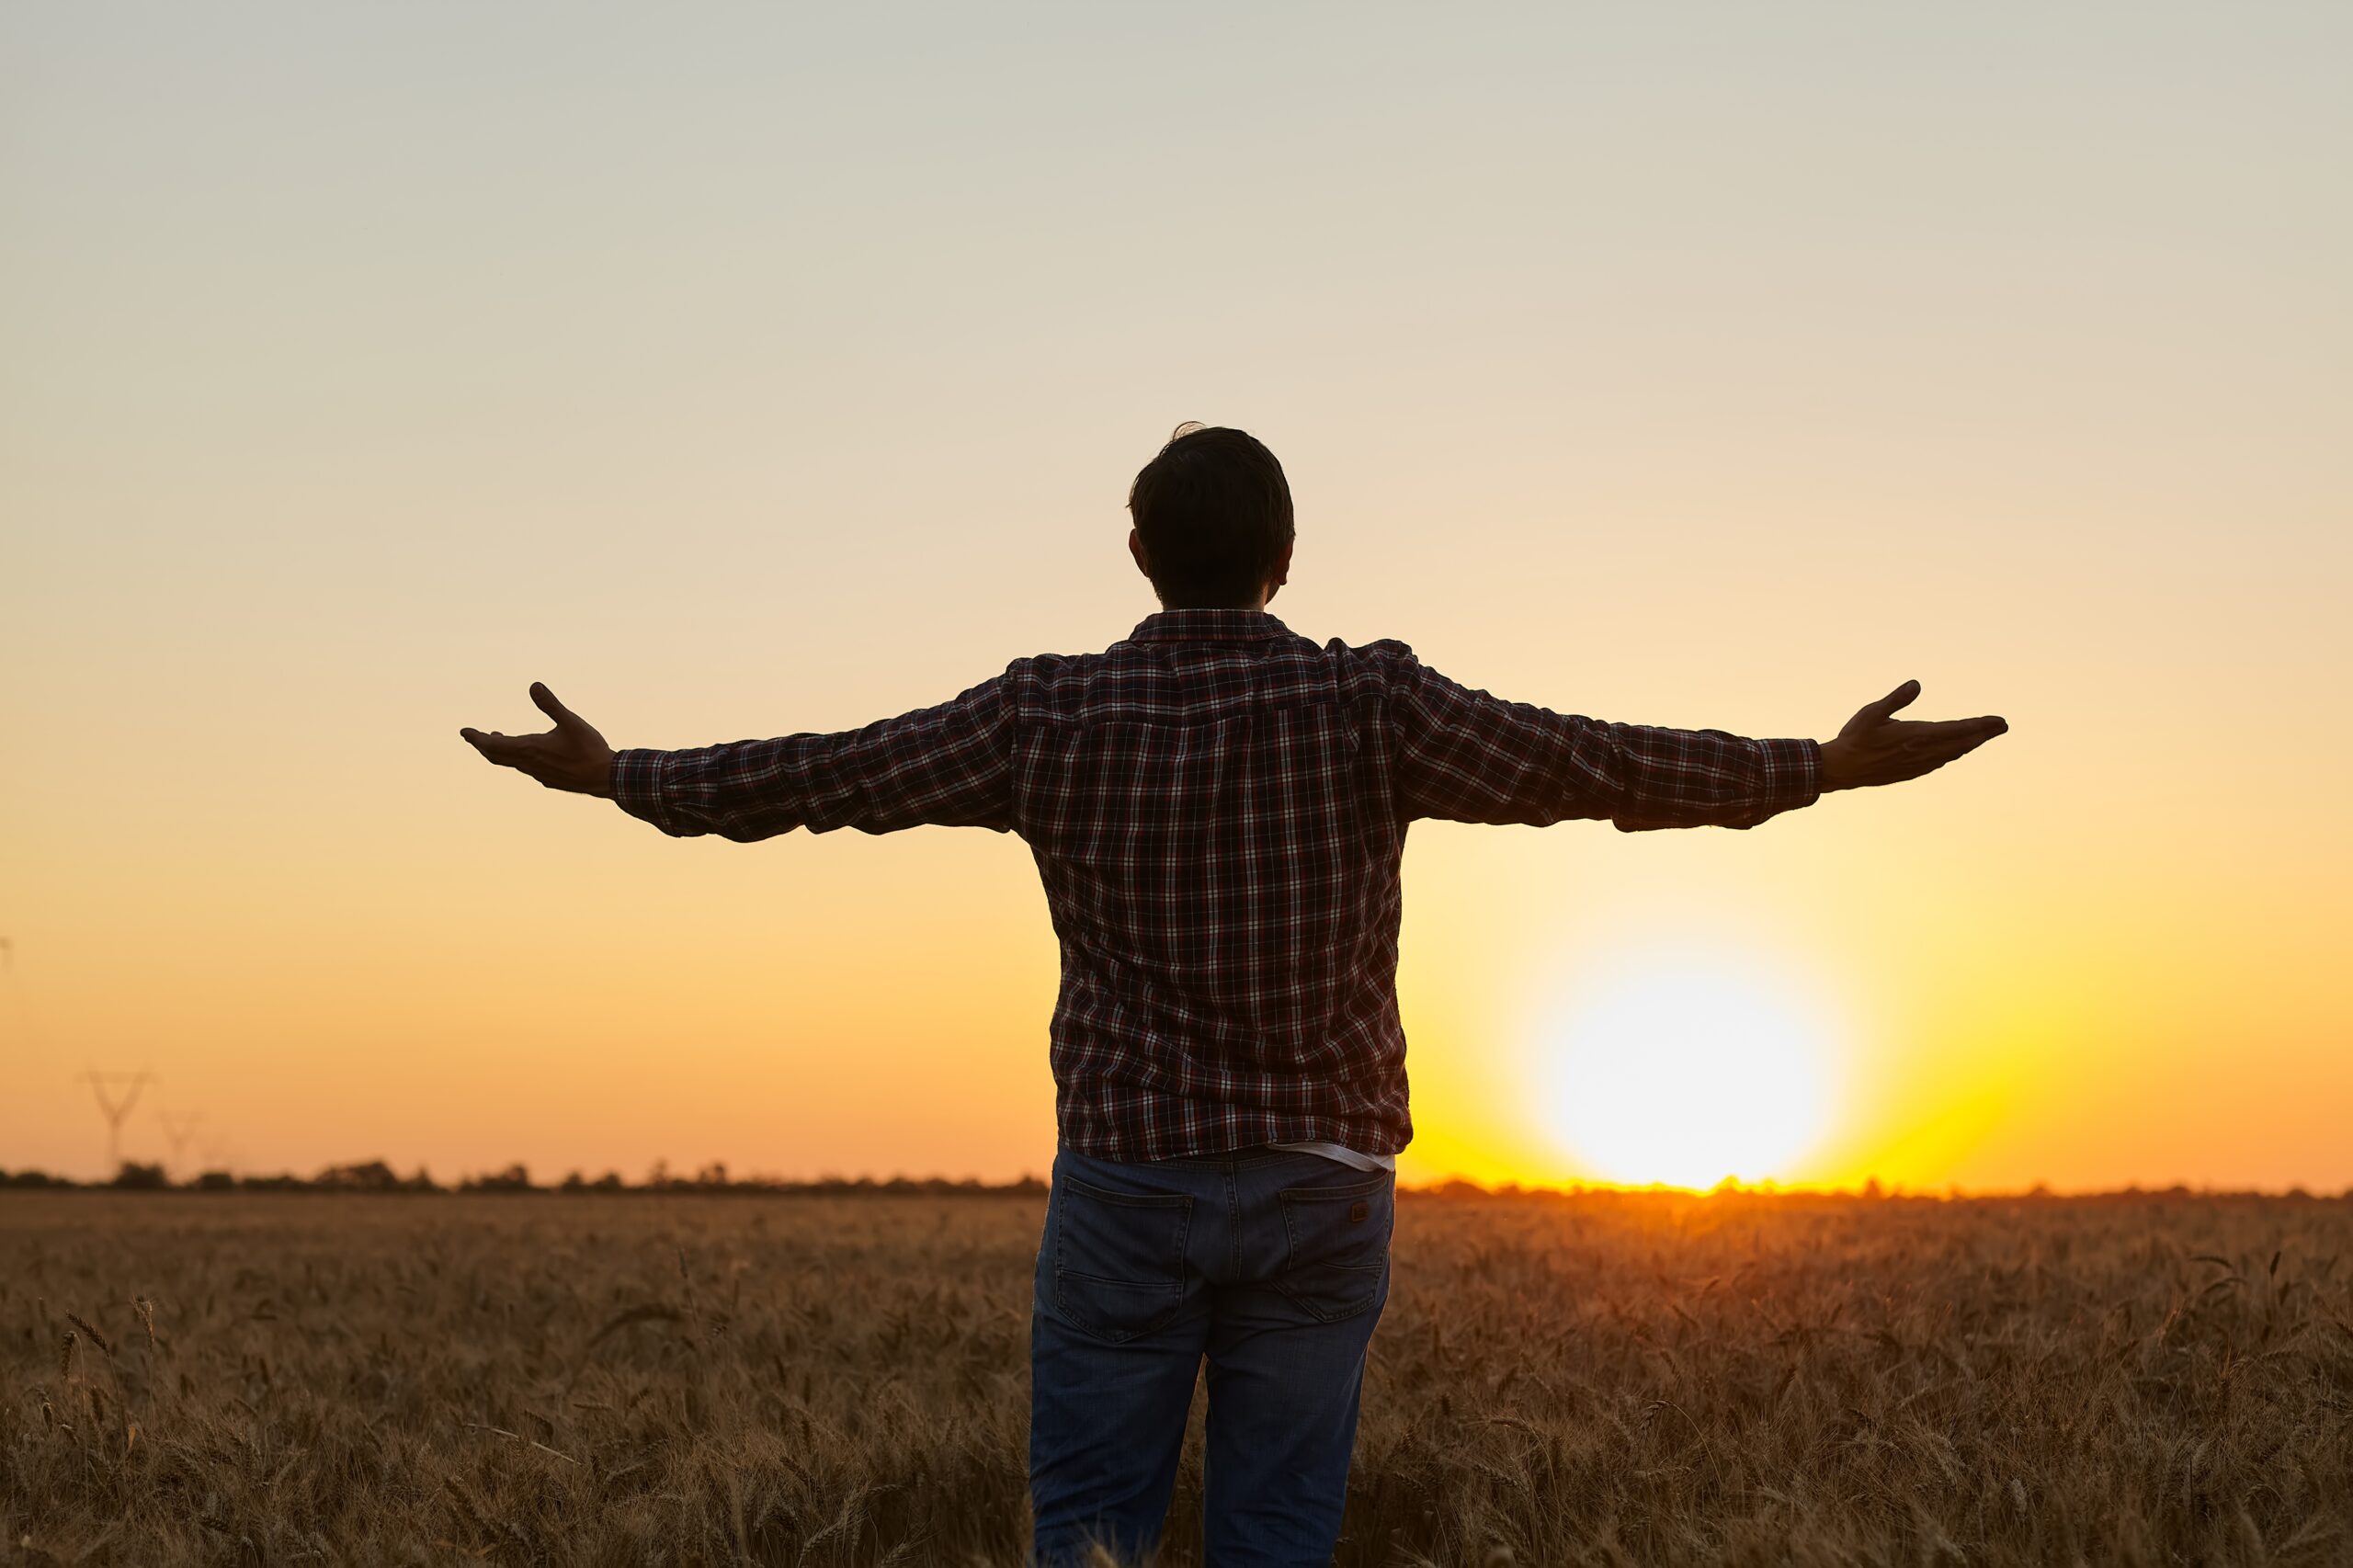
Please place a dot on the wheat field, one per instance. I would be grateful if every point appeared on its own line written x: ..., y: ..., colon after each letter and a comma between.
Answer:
x: 1582, y: 1379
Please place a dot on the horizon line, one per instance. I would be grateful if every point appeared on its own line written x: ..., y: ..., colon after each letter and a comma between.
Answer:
x: 376, y: 1176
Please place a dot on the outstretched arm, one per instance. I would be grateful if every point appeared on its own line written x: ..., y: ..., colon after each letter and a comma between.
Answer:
x: 950, y: 764
x: 1469, y: 757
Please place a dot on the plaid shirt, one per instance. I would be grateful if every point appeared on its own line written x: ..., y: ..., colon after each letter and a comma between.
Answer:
x: 1218, y: 807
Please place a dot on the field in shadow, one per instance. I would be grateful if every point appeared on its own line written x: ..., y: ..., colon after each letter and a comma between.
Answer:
x: 1599, y: 1378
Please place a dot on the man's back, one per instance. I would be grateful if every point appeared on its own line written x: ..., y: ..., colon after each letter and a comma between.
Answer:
x: 1212, y: 807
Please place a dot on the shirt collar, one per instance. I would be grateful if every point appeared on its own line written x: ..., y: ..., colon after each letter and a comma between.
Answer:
x: 1214, y: 625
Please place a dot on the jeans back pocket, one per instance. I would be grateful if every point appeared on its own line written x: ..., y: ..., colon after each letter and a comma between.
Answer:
x: 1339, y: 1244
x: 1118, y: 1257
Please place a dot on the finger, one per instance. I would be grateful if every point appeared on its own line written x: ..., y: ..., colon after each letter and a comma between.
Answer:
x: 1901, y: 696
x: 507, y: 750
x: 1948, y: 729
x: 550, y: 705
x: 1935, y: 750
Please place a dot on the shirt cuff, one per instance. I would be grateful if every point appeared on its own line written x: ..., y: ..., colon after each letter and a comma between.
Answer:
x: 1792, y: 773
x: 637, y: 785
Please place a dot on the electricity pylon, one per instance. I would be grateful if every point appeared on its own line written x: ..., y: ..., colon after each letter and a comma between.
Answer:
x: 116, y: 1092
x: 179, y: 1129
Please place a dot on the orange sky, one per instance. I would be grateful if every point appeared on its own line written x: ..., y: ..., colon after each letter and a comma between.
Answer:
x: 747, y: 374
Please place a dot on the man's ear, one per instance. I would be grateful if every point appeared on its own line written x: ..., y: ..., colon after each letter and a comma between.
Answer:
x: 1135, y: 547
x: 1282, y: 571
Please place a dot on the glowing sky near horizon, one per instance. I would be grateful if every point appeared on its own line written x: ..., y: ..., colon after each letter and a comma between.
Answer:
x: 738, y: 371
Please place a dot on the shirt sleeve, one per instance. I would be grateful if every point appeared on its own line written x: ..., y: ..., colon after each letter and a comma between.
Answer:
x: 1464, y: 756
x: 950, y: 765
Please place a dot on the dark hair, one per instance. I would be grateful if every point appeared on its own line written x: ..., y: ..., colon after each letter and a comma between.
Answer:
x: 1214, y: 512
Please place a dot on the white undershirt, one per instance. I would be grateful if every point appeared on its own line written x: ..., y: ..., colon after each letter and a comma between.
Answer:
x: 1345, y: 1156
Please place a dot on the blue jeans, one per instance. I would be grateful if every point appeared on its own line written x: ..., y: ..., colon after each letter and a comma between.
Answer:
x: 1274, y: 1266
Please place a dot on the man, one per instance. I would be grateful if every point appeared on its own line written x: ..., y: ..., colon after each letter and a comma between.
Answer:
x: 1217, y: 807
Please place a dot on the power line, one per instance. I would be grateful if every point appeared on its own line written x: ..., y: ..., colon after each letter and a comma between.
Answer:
x: 117, y: 1093
x: 179, y: 1129
x: 24, y: 1026
x: 19, y: 1004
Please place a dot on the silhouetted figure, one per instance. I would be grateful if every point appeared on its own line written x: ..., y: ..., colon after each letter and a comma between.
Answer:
x: 1218, y: 807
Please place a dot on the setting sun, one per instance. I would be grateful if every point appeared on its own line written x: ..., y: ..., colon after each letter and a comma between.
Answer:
x: 1685, y: 1071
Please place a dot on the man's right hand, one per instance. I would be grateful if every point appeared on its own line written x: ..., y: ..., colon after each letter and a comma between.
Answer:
x: 1876, y: 747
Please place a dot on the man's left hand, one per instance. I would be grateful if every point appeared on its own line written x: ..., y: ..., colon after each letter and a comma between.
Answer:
x: 571, y: 756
